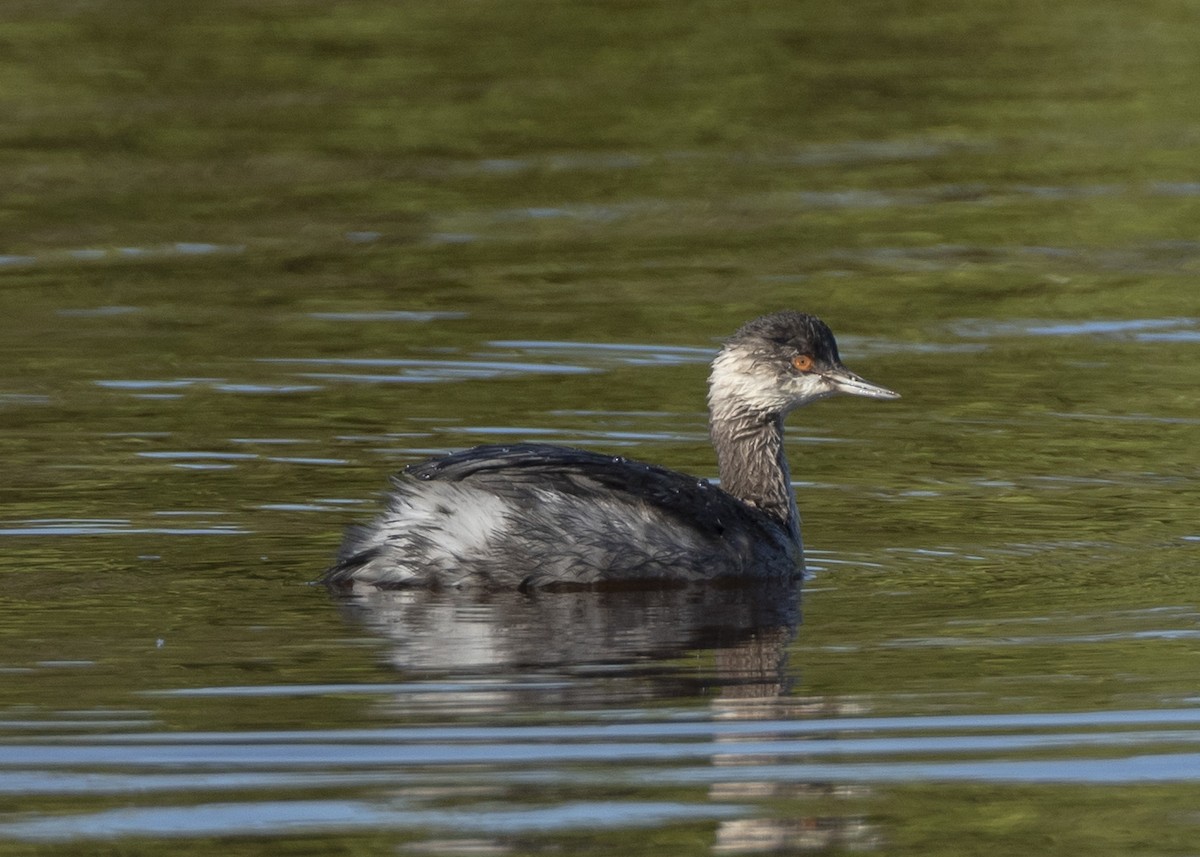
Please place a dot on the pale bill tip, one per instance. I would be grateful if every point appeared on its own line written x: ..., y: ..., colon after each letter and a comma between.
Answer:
x: 853, y: 385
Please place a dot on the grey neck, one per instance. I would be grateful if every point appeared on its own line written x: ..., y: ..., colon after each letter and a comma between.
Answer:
x: 753, y: 466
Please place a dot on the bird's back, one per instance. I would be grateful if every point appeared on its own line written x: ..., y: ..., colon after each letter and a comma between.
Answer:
x: 536, y: 515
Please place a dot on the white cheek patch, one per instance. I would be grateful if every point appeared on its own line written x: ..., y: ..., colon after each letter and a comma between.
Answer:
x: 749, y: 393
x: 740, y: 383
x: 807, y: 387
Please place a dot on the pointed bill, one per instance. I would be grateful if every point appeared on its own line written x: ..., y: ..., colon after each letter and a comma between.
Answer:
x: 845, y: 381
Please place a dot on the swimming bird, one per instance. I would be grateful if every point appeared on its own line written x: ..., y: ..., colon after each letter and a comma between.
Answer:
x: 536, y: 515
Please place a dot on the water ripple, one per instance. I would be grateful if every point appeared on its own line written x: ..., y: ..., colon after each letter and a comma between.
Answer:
x: 412, y: 771
x: 606, y: 352
x: 416, y: 371
x: 1161, y: 329
x: 389, y: 315
x: 179, y: 249
x: 108, y: 527
x: 293, y: 817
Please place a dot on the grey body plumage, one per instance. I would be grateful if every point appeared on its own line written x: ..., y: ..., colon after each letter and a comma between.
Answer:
x: 539, y: 515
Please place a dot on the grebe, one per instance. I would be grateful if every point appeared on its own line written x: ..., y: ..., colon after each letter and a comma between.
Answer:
x: 530, y: 515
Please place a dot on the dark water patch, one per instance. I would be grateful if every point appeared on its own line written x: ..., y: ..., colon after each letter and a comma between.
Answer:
x: 21, y: 400
x: 866, y: 198
x: 871, y: 151
x: 1168, y: 258
x: 778, y: 206
x: 985, y: 194
x: 267, y: 441
x: 575, y: 437
x: 582, y: 428
x: 1069, y: 192
x: 516, y: 165
x: 1180, y: 257
x: 416, y: 687
x: 1149, y: 419
x: 451, y: 237
x: 586, y: 213
x: 390, y: 315
x: 850, y: 346
x: 929, y: 259
x: 607, y: 414
x: 612, y: 353
x: 99, y: 312
x: 106, y: 725
x: 429, y: 371
x: 845, y: 152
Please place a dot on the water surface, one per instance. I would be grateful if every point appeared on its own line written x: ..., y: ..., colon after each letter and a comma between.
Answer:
x: 252, y: 259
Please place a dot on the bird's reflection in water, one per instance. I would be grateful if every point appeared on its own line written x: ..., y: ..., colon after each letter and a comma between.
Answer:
x: 491, y: 653
x: 635, y: 636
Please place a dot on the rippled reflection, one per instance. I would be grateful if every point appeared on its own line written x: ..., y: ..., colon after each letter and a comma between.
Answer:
x: 729, y: 643
x: 746, y: 630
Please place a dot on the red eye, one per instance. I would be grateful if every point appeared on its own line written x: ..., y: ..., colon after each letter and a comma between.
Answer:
x: 802, y: 362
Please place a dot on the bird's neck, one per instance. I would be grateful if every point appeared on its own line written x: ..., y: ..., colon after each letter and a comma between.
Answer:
x: 753, y: 466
